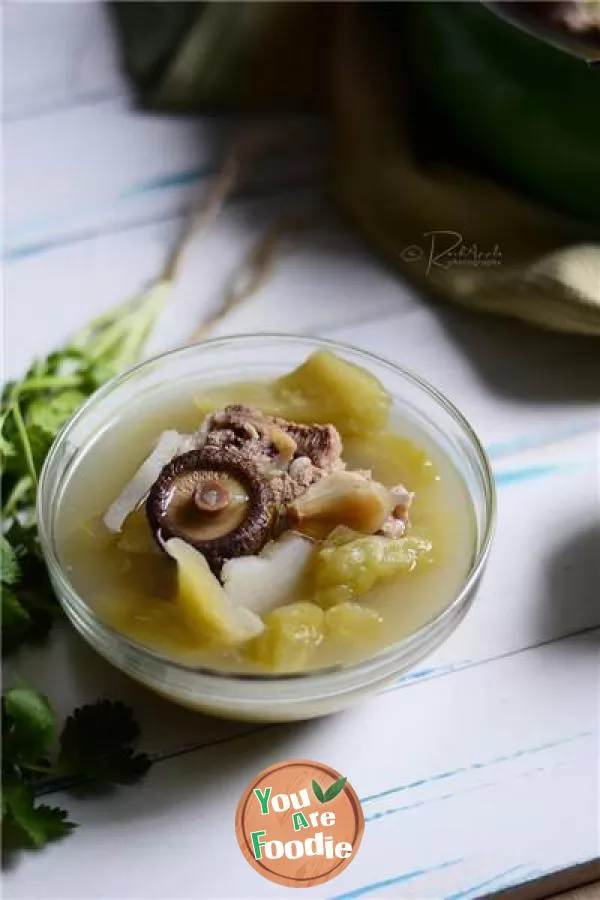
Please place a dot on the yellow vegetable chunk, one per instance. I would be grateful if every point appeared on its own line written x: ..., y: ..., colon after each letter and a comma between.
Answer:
x: 353, y: 623
x: 205, y: 607
x: 291, y: 636
x: 356, y: 563
x: 326, y: 388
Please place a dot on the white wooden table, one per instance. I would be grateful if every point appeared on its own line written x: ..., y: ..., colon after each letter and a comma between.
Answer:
x: 481, y: 768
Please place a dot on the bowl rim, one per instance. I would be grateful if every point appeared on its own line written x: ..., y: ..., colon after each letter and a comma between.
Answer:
x: 386, y: 653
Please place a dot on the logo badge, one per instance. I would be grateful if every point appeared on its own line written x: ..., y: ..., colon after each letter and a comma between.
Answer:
x: 299, y: 823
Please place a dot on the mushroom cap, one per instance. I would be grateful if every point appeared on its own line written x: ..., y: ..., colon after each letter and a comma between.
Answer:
x: 239, y: 527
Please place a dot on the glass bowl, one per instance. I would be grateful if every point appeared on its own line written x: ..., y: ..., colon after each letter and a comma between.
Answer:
x: 258, y: 697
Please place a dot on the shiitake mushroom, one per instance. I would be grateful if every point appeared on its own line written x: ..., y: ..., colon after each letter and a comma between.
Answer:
x: 215, y: 499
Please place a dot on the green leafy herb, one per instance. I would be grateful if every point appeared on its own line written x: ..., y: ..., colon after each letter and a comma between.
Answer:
x: 95, y: 743
x: 95, y: 748
x: 24, y: 822
x: 334, y: 789
x: 28, y: 725
x: 32, y: 412
x: 318, y: 791
x: 29, y: 606
x: 10, y: 570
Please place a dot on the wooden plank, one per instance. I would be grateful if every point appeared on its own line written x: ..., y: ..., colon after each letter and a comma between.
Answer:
x: 320, y: 278
x: 101, y: 166
x: 581, y: 882
x: 56, y: 55
x: 472, y: 766
x: 466, y: 783
x: 508, y: 379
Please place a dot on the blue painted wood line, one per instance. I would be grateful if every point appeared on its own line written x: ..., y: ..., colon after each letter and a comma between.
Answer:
x: 440, y: 798
x: 512, y: 446
x: 35, y: 247
x: 498, y: 882
x: 477, y: 766
x: 110, y: 229
x: 533, y: 473
x: 429, y: 672
x: 398, y: 879
x: 15, y: 250
x: 147, y: 187
x: 450, y: 668
x: 170, y: 180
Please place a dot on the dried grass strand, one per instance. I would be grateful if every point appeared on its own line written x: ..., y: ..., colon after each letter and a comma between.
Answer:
x: 254, y: 272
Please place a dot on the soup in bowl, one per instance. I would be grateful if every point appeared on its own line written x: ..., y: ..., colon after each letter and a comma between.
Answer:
x: 266, y: 527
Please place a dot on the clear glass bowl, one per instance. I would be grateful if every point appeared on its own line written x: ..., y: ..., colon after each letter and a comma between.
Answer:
x: 267, y: 698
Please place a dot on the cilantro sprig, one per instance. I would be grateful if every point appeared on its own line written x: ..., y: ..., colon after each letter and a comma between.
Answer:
x: 94, y: 747
x: 94, y: 750
x: 32, y: 412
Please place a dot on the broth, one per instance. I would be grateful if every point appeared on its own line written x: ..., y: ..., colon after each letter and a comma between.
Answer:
x: 132, y: 591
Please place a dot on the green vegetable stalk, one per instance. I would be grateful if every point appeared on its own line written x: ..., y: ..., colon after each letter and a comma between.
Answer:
x: 32, y: 412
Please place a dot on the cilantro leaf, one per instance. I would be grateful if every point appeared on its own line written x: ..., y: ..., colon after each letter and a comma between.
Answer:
x: 33, y: 825
x: 49, y: 823
x: 45, y: 418
x: 10, y: 571
x: 29, y: 607
x: 94, y: 749
x: 29, y: 618
x: 28, y: 731
x: 23, y: 541
x: 28, y: 724
x: 40, y: 442
x: 8, y: 439
x: 13, y: 454
x: 32, y: 412
x: 94, y: 743
x: 15, y: 619
x: 7, y: 449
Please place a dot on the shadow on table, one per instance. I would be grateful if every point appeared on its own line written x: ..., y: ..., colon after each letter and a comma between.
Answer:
x: 197, y: 750
x: 522, y: 362
x: 198, y: 779
x: 573, y: 583
x: 166, y: 727
x: 513, y: 359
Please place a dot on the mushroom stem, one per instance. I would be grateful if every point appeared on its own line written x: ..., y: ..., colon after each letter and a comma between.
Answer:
x: 211, y: 496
